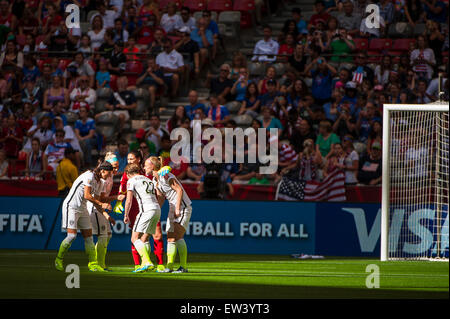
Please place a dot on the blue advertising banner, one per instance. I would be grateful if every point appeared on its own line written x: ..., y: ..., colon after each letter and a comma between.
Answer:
x: 345, y: 229
x: 244, y: 227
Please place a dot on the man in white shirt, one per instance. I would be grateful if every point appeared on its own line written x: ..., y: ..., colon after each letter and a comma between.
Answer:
x: 172, y: 64
x: 170, y: 21
x: 266, y: 46
x: 108, y: 16
x: 155, y: 132
x: 186, y: 19
x: 82, y: 95
x: 433, y: 87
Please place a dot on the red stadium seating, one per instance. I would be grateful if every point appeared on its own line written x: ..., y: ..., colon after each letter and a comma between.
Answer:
x: 20, y: 39
x: 132, y: 70
x: 63, y: 63
x: 245, y: 7
x: 42, y: 62
x: 380, y: 44
x: 195, y: 5
x: 220, y: 5
x: 362, y: 44
x: 113, y: 82
x: 163, y: 4
x: 39, y: 39
x: 445, y: 57
x: 402, y: 44
x: 92, y: 64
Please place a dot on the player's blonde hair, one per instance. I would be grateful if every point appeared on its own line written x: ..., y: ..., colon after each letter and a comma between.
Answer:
x: 109, y: 155
x: 157, y: 162
x: 132, y: 169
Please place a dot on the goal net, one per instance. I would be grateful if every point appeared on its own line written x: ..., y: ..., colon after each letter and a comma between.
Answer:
x: 415, y: 182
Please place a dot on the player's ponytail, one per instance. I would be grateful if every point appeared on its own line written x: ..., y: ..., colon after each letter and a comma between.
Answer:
x: 161, y: 162
x: 157, y: 162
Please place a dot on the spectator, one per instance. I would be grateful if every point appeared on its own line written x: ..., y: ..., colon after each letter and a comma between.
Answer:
x: 193, y: 105
x: 171, y: 21
x: 33, y: 163
x: 348, y: 20
x: 107, y: 16
x: 122, y: 153
x: 216, y: 112
x: 102, y: 76
x: 152, y: 80
x: 369, y: 32
x: 345, y: 123
x: 383, y: 70
x: 7, y: 18
x: 322, y: 75
x: 82, y: 96
x: 131, y: 49
x: 30, y: 70
x: 52, y: 20
x: 42, y: 130
x: 204, y: 39
x: 351, y: 160
x: 297, y: 17
x: 287, y: 48
x: 131, y: 22
x: 289, y: 27
x: 221, y: 85
x: 361, y: 71
x: 320, y: 15
x: 423, y: 59
x: 375, y: 134
x: 66, y: 172
x: 177, y: 118
x: 435, y: 38
x: 69, y: 136
x: 268, y: 99
x: 54, y: 152
x: 56, y: 93
x: 82, y: 68
x: 150, y: 34
x: 107, y: 47
x: 120, y: 103
x: 85, y: 132
x: 191, y: 52
x: 120, y: 34
x: 238, y: 61
x: 370, y: 169
x: 117, y: 59
x: 11, y: 60
x: 148, y: 9
x: 266, y: 50
x: 297, y: 60
x: 239, y: 87
x: 214, y: 28
x: 326, y: 138
x: 25, y: 117
x: 155, y: 132
x: 436, y: 10
x: 140, y: 142
x: 303, y: 131
x: 97, y: 32
x: 270, y: 75
x: 85, y: 45
x: 269, y: 121
x: 32, y: 93
x: 186, y: 19
x: 3, y: 165
x: 307, y: 164
x: 11, y: 137
x: 341, y: 46
x: 171, y: 62
x: 251, y: 103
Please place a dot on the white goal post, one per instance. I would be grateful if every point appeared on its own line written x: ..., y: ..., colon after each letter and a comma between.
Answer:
x: 414, y: 208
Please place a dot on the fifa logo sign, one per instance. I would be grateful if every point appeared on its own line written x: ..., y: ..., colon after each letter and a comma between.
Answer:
x: 73, y: 19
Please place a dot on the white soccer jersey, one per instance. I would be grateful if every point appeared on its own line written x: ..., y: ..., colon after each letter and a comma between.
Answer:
x: 145, y: 192
x: 75, y: 199
x: 171, y: 195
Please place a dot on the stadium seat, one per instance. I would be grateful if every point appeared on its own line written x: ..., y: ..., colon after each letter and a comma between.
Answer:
x: 20, y: 39
x: 163, y: 4
x: 362, y: 44
x: 92, y: 64
x: 39, y: 39
x: 232, y: 21
x: 395, y: 31
x: 419, y: 29
x: 233, y: 106
x: 43, y: 62
x: 132, y: 70
x: 380, y: 44
x: 90, y: 15
x: 245, y: 7
x: 113, y: 82
x: 220, y: 5
x: 195, y: 5
x: 402, y: 44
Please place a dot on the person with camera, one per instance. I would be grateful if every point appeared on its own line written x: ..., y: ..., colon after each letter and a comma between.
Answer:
x: 322, y: 75
x: 341, y: 45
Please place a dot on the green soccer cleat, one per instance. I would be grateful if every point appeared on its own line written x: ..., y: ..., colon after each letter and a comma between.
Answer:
x: 144, y: 268
x: 163, y: 270
x: 136, y: 267
x: 180, y: 270
x: 160, y: 267
x: 59, y: 264
x: 95, y: 268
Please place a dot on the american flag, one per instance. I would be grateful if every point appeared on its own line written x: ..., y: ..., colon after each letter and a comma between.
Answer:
x: 331, y: 189
x: 358, y: 76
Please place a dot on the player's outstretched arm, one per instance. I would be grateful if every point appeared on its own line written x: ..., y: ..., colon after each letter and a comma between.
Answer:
x: 176, y: 187
x: 128, y: 201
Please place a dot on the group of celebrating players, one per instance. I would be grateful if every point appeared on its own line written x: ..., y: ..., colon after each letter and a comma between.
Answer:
x: 144, y: 187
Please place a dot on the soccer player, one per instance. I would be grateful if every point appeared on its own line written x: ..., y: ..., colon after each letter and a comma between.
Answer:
x: 180, y: 211
x: 100, y: 225
x: 75, y: 216
x: 135, y: 157
x: 149, y: 212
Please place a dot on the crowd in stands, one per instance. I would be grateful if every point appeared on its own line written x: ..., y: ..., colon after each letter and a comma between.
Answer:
x: 324, y: 82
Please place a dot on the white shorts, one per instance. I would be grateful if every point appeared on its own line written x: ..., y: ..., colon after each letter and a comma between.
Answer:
x: 146, y: 222
x: 183, y: 219
x: 100, y: 225
x: 74, y: 219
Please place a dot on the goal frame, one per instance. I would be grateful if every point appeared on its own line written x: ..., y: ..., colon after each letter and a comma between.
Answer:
x: 385, y: 192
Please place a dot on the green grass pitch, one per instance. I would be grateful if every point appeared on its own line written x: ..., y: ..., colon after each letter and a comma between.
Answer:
x: 31, y: 274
